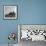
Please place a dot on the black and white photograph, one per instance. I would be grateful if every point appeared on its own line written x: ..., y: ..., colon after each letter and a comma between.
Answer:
x: 31, y: 35
x: 33, y: 32
x: 10, y: 12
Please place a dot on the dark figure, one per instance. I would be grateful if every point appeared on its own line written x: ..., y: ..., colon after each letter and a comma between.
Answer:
x: 11, y: 14
x: 45, y: 37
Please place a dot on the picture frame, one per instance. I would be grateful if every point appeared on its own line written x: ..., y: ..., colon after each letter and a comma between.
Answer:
x: 10, y: 12
x: 36, y: 32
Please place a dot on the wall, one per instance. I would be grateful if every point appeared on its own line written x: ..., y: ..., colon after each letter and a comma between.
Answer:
x: 33, y: 12
x: 7, y: 26
x: 29, y: 12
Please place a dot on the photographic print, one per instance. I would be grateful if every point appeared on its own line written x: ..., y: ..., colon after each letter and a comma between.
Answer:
x: 10, y: 12
x: 33, y: 32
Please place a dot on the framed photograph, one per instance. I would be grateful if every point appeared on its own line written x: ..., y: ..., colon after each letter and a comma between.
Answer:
x: 10, y: 12
x: 32, y: 32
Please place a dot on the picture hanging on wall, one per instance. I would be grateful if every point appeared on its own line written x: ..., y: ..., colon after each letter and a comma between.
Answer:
x: 32, y: 32
x: 10, y: 12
